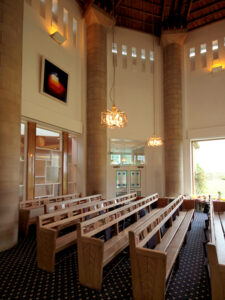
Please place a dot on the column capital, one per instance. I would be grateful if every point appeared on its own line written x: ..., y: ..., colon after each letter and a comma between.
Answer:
x: 95, y: 15
x: 173, y: 37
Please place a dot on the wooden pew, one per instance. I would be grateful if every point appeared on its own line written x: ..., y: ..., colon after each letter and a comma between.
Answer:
x: 48, y: 227
x: 51, y: 207
x: 94, y: 253
x: 151, y: 268
x: 29, y: 210
x: 216, y: 249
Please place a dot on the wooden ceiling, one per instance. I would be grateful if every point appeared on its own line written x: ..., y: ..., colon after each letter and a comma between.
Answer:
x: 153, y: 16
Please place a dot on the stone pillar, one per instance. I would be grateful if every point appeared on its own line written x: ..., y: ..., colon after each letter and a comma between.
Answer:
x: 96, y: 23
x: 11, y: 29
x: 173, y: 129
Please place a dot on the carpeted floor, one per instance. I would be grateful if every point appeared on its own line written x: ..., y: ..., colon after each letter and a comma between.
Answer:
x: 21, y: 279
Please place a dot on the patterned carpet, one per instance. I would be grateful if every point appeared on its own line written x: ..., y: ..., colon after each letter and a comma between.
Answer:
x: 21, y: 279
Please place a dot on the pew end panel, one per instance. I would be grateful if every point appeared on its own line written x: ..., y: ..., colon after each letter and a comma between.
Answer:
x: 219, y: 206
x: 148, y: 272
x: 188, y: 204
x: 24, y: 217
x: 90, y: 260
x: 162, y: 202
x: 46, y: 249
x: 217, y: 274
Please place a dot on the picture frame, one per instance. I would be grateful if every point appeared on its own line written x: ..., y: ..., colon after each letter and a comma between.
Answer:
x: 54, y: 81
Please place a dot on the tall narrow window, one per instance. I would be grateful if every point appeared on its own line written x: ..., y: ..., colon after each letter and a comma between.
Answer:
x: 143, y: 59
x: 22, y: 162
x: 134, y: 55
x: 192, y: 59
x: 152, y: 59
x: 124, y: 56
x: 75, y: 32
x: 42, y: 8
x: 65, y: 22
x: 215, y: 48
x: 114, y: 52
x: 48, y: 157
x: 54, y: 11
x: 203, y: 55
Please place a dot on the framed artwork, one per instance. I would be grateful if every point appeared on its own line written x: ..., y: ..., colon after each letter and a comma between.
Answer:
x: 54, y: 81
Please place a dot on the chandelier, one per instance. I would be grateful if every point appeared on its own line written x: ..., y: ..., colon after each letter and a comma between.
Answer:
x: 154, y: 141
x: 114, y: 118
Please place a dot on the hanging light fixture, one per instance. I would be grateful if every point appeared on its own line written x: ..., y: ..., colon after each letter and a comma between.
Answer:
x: 154, y: 141
x: 114, y: 118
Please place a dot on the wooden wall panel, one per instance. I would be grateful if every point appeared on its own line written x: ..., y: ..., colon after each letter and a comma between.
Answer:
x: 64, y: 163
x: 31, y: 145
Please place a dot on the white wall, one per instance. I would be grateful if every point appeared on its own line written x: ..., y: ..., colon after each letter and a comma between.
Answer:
x: 203, y: 93
x: 134, y: 95
x: 37, y: 43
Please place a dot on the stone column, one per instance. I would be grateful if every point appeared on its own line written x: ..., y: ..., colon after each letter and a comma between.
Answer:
x: 11, y: 29
x: 96, y: 23
x: 173, y: 129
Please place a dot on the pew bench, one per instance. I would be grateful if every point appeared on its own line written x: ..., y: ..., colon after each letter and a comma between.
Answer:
x: 216, y: 250
x: 151, y: 268
x: 29, y: 210
x: 51, y: 239
x: 94, y: 253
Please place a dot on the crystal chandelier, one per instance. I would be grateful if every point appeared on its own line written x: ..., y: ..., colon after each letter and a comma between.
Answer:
x: 114, y: 118
x: 154, y: 141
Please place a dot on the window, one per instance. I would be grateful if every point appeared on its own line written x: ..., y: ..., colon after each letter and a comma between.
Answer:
x: 42, y: 8
x: 22, y: 170
x: 124, y: 50
x: 203, y: 55
x: 114, y: 48
x: 192, y: 52
x: 209, y: 168
x: 65, y: 22
x: 115, y: 159
x: 143, y: 55
x: 192, y: 59
x: 215, y: 48
x: 151, y: 56
x: 54, y: 11
x: 124, y: 56
x: 72, y: 160
x: 75, y: 32
x: 48, y: 158
x: 134, y: 52
x: 203, y: 48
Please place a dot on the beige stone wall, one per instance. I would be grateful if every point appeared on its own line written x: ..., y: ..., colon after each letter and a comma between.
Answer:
x: 11, y: 26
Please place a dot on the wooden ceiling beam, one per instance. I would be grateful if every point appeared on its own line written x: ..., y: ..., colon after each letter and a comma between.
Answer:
x: 204, y: 24
x: 207, y: 15
x: 188, y: 9
x: 139, y: 11
x: 208, y: 5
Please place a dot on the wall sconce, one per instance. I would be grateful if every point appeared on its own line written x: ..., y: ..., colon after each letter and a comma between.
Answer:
x: 57, y: 37
x: 217, y: 68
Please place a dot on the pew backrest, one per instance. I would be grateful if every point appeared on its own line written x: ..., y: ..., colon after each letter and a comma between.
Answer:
x: 79, y: 212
